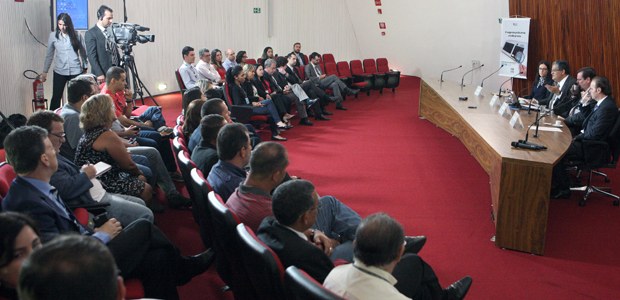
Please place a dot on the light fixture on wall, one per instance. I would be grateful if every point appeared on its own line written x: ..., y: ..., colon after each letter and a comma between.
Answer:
x: 162, y: 86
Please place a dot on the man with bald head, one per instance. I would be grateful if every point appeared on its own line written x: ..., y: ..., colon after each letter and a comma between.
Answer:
x: 230, y: 61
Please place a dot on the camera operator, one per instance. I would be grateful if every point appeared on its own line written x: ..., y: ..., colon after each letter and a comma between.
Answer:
x: 100, y: 45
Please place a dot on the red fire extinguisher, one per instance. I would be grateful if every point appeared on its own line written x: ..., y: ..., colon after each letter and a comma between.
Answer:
x: 38, y: 101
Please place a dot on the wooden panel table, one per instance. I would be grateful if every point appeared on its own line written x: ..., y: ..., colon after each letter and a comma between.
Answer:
x: 520, y: 179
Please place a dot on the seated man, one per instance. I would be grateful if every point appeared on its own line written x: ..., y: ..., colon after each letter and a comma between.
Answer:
x: 596, y: 127
x: 204, y: 68
x: 379, y: 258
x: 205, y: 154
x: 77, y: 185
x: 230, y: 61
x: 315, y: 74
x: 140, y: 249
x: 295, y: 207
x: 559, y: 100
x: 292, y: 75
x: 251, y: 201
x: 188, y: 72
x: 233, y: 149
x: 71, y: 267
x: 586, y: 104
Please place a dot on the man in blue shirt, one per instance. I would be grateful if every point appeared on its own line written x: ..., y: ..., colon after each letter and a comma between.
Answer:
x: 234, y: 150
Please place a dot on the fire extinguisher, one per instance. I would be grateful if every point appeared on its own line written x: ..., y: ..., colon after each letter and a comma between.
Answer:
x: 38, y: 101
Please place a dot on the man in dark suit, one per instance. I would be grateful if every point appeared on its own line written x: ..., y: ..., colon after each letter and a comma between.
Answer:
x: 585, y: 105
x: 295, y: 206
x: 100, y: 45
x: 596, y: 127
x: 140, y: 249
x: 301, y: 58
x: 559, y: 99
x: 313, y: 91
x: 280, y: 86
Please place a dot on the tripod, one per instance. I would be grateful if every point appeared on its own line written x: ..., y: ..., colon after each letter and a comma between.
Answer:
x: 133, y: 78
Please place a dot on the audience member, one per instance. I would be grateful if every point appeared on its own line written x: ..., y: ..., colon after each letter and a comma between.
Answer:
x: 230, y: 59
x: 71, y: 267
x: 542, y: 79
x: 585, y: 105
x: 216, y: 62
x: 19, y: 237
x: 316, y: 75
x: 209, y: 90
x: 140, y: 249
x: 267, y: 54
x: 205, y: 68
x: 192, y: 116
x: 301, y: 58
x: 264, y: 91
x: 282, y: 87
x: 188, y: 72
x: 205, y: 154
x: 241, y: 57
x: 212, y: 106
x: 66, y: 47
x: 380, y: 260
x: 79, y: 186
x: 101, y: 48
x: 233, y: 150
x: 293, y: 77
x: 559, y: 99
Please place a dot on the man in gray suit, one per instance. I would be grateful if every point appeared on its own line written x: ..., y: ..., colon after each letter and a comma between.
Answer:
x: 100, y: 46
x: 314, y: 73
x: 560, y: 98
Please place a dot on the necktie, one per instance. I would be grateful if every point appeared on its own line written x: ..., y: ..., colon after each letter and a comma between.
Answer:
x: 60, y: 204
x: 316, y: 69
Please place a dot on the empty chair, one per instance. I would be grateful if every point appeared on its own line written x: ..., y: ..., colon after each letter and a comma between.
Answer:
x: 185, y: 166
x: 178, y: 144
x: 357, y: 70
x: 371, y: 68
x: 328, y: 57
x: 358, y: 82
x: 7, y: 174
x: 250, y: 61
x: 201, y: 189
x: 598, y: 155
x: 262, y: 265
x: 180, y: 82
x: 303, y: 287
x: 393, y: 77
x: 228, y: 255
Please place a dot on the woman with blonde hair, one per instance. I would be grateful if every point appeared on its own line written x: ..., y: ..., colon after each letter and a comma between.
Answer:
x: 100, y: 144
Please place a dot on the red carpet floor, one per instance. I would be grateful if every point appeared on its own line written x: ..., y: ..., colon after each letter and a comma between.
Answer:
x: 379, y: 156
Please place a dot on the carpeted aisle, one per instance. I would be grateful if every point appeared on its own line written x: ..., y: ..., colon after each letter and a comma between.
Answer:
x: 379, y: 156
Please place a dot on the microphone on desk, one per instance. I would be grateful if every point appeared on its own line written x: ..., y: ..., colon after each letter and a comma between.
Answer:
x: 501, y: 85
x: 485, y: 78
x: 463, y: 78
x: 524, y: 144
x: 444, y: 71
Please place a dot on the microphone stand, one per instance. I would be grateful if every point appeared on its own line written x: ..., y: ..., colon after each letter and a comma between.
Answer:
x: 485, y: 78
x: 441, y: 77
x: 463, y: 78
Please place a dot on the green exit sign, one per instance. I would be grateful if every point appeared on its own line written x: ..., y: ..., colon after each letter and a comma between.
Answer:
x: 257, y: 10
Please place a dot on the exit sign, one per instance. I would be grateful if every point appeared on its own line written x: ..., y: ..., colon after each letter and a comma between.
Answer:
x: 257, y: 10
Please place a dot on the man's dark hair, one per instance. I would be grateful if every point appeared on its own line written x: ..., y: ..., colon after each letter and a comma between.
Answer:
x: 230, y: 140
x: 313, y: 55
x: 587, y: 72
x: 212, y: 106
x: 291, y: 200
x: 562, y: 65
x: 210, y: 127
x: 113, y: 72
x: 378, y: 240
x: 296, y: 43
x: 44, y: 119
x: 190, y: 95
x: 78, y: 87
x: 24, y: 147
x: 101, y: 11
x: 268, y: 158
x: 11, y: 224
x: 69, y: 267
x: 291, y: 54
x: 186, y: 50
x: 602, y: 83
x: 281, y: 61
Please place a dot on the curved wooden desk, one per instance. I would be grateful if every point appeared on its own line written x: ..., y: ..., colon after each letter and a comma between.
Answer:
x: 520, y: 179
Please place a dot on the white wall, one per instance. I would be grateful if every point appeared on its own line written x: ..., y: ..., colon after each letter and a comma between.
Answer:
x: 425, y: 37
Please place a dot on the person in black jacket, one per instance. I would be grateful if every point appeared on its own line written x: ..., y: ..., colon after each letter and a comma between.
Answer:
x: 265, y: 90
x: 235, y: 78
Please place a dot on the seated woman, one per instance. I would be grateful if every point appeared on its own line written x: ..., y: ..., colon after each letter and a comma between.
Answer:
x: 267, y: 53
x: 99, y: 143
x: 192, y: 116
x: 234, y: 79
x: 265, y: 90
x: 216, y: 62
x: 18, y: 238
x: 241, y: 57
x: 543, y: 77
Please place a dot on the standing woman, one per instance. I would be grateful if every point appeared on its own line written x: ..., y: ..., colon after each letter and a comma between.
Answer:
x: 66, y: 47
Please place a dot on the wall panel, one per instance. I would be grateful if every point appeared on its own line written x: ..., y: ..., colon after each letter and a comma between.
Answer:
x: 585, y: 33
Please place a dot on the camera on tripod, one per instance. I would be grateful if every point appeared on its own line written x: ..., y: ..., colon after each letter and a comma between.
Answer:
x: 127, y: 34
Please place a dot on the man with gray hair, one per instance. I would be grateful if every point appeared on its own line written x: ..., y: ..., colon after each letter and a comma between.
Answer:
x: 383, y: 271
x: 205, y: 69
x: 230, y: 59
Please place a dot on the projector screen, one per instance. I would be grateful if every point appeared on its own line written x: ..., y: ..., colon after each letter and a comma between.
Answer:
x: 77, y: 9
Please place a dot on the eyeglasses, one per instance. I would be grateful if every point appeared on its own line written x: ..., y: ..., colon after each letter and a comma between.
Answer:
x: 61, y: 135
x: 543, y: 69
x: 554, y: 70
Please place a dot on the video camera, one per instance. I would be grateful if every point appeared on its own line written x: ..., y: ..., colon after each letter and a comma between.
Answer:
x: 127, y: 34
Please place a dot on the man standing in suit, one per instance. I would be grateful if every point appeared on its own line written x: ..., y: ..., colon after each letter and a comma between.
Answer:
x: 596, y: 127
x: 100, y: 45
x: 301, y: 58
x: 140, y: 249
x: 314, y: 73
x: 560, y: 98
